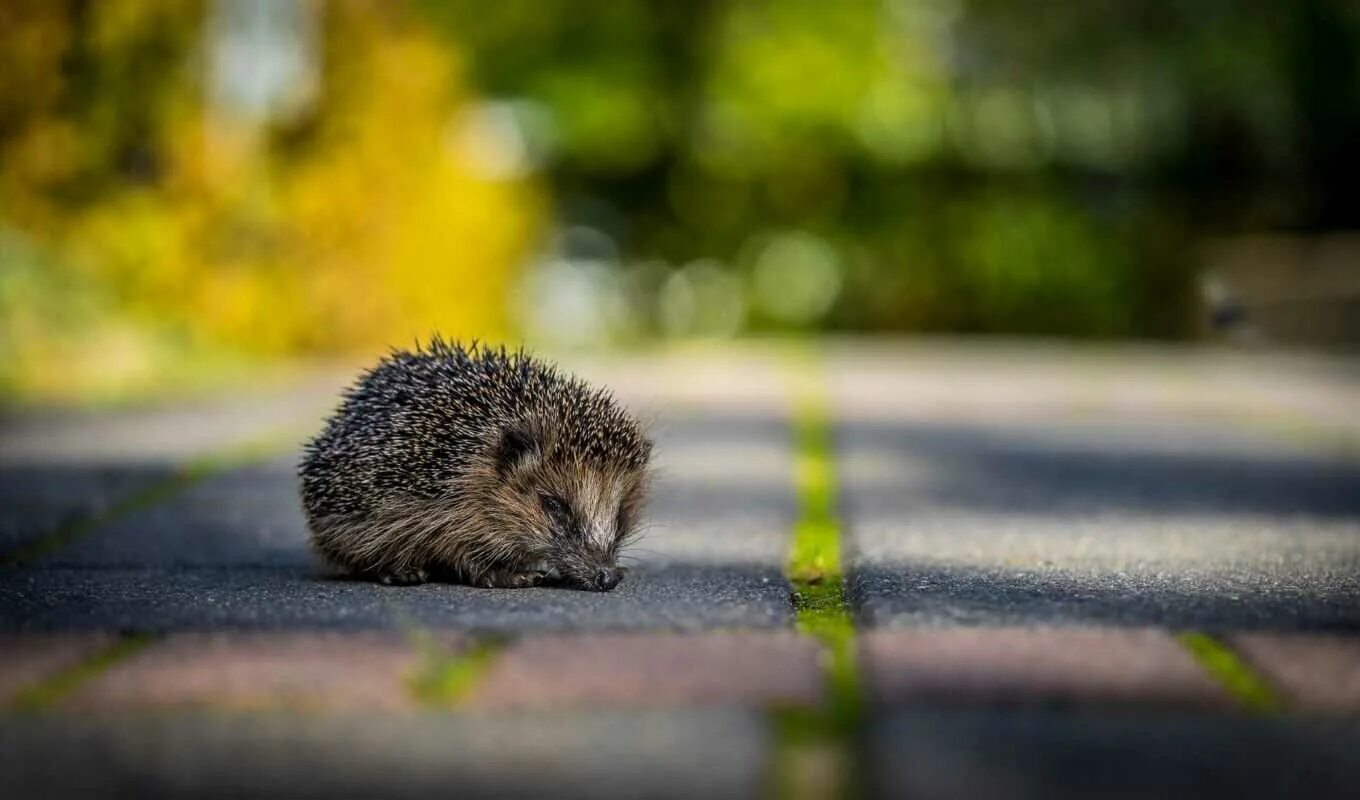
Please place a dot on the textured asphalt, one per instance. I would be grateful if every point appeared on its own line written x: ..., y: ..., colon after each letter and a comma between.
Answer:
x: 1012, y: 487
x: 62, y: 468
x: 39, y: 499
x: 202, y: 598
x: 231, y: 552
x: 1127, y: 523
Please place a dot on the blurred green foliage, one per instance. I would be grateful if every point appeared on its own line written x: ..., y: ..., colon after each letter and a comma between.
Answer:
x: 151, y: 224
x: 976, y: 165
x: 604, y: 170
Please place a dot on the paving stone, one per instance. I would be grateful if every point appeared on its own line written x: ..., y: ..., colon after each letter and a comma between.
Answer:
x: 979, y: 525
x: 181, y: 598
x: 162, y: 433
x: 946, y: 381
x: 907, y: 592
x: 1315, y: 673
x: 723, y: 492
x: 262, y: 671
x: 248, y: 516
x: 1050, y: 484
x: 29, y: 659
x: 679, y: 754
x: 1112, y: 468
x: 1015, y: 486
x: 723, y: 495
x: 40, y: 499
x: 232, y: 551
x: 1033, y: 666
x: 605, y: 671
x: 61, y: 467
x: 731, y: 377
x: 1048, y: 755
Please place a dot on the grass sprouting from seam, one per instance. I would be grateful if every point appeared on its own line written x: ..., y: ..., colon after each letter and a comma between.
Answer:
x: 445, y: 678
x: 47, y: 693
x: 816, y: 756
x: 1249, y: 689
x: 196, y: 470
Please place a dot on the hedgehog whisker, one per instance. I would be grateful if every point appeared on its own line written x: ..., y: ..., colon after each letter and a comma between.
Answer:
x: 646, y: 552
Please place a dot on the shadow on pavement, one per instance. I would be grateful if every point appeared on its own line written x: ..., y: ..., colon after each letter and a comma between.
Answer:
x: 1150, y: 472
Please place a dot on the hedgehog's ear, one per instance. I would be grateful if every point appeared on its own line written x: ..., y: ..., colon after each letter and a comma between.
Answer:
x: 518, y: 445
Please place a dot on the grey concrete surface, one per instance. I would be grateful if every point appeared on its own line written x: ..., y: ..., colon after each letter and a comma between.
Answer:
x: 723, y: 495
x: 1170, y: 488
x: 964, y: 524
x: 164, y: 432
x: 39, y: 499
x: 902, y: 594
x: 679, y: 754
x: 248, y: 516
x: 723, y: 491
x: 61, y: 467
x: 1023, y: 485
x: 674, y: 597
x: 232, y: 551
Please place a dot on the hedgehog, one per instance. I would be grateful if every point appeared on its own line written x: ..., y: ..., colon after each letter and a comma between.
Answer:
x: 475, y: 465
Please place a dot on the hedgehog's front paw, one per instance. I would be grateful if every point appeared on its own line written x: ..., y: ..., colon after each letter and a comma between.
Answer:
x: 547, y: 573
x: 411, y: 576
x: 507, y: 579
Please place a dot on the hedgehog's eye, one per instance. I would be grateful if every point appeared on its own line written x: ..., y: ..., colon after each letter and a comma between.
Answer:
x: 556, y: 508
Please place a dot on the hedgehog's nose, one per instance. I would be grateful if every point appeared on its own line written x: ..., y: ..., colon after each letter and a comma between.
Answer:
x: 607, y: 578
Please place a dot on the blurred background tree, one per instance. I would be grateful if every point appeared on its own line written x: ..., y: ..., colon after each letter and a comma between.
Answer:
x: 180, y: 182
x: 185, y: 182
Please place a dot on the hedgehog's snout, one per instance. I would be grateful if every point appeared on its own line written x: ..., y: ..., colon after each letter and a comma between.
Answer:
x: 600, y: 578
x: 606, y: 578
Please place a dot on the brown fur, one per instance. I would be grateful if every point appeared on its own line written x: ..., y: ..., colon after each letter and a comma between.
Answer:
x: 534, y: 499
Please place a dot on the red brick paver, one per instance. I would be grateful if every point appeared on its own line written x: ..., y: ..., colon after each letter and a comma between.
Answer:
x: 652, y: 671
x: 30, y: 658
x: 1314, y: 672
x: 1034, y: 666
x: 260, y: 671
